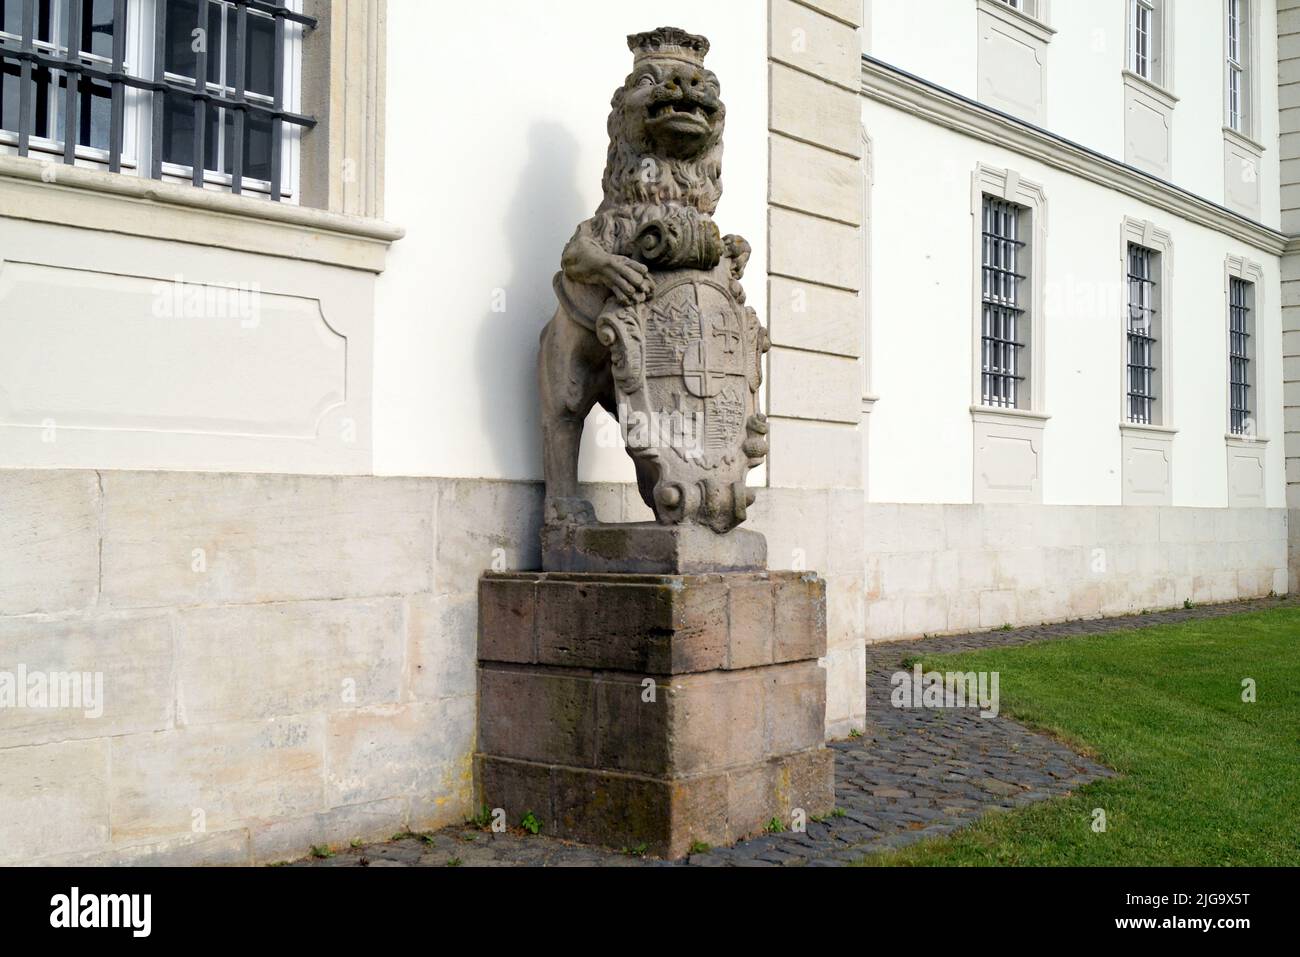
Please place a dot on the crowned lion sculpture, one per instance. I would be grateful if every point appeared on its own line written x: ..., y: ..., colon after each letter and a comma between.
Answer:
x: 652, y: 321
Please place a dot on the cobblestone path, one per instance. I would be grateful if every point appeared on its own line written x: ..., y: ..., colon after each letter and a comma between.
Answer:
x: 914, y: 774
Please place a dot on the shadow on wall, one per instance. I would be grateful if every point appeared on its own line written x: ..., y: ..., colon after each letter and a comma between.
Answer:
x: 546, y: 208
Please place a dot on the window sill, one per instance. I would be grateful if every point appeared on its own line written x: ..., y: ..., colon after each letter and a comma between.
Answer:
x: 1150, y: 87
x: 1018, y: 19
x: 1242, y: 141
x: 1147, y: 431
x: 38, y: 190
x: 1244, y: 441
x: 994, y: 414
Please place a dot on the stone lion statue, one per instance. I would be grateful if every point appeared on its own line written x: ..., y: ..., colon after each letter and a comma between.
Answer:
x: 621, y: 339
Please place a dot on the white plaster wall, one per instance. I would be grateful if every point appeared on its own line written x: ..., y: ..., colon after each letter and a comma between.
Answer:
x: 490, y: 182
x: 922, y: 321
x: 936, y: 40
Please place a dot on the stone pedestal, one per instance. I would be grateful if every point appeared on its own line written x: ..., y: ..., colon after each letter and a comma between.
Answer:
x: 651, y: 549
x: 655, y: 710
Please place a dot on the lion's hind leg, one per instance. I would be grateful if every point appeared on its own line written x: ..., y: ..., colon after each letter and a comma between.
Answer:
x: 573, y: 374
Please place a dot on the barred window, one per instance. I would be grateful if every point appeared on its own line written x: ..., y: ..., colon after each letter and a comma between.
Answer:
x: 1240, y: 349
x: 1004, y: 320
x: 1142, y: 331
x: 117, y: 83
x: 1238, y: 65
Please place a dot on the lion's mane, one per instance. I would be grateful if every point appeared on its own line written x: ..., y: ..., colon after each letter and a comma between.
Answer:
x: 639, y: 182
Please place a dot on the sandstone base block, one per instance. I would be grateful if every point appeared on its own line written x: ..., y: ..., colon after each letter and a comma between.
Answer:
x: 653, y: 710
x: 651, y: 548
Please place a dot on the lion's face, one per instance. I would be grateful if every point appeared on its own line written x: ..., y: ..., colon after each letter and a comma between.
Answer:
x: 673, y: 109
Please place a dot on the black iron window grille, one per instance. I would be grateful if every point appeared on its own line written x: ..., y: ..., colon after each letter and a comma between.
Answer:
x: 1002, y: 315
x: 68, y: 84
x: 1239, y: 337
x: 1142, y: 291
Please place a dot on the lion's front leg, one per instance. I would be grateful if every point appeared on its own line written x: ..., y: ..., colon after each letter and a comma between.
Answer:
x: 586, y: 261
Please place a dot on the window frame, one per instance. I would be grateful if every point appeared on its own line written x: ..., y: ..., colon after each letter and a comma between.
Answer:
x: 1240, y: 64
x: 1144, y: 388
x: 1159, y: 243
x: 1240, y: 269
x: 1005, y: 322
x: 1157, y: 70
x: 141, y: 54
x: 1007, y: 185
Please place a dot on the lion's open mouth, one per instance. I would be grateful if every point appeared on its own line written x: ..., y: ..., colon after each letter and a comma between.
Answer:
x: 679, y: 113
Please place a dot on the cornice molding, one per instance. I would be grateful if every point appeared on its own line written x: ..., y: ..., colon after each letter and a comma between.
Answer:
x: 903, y: 91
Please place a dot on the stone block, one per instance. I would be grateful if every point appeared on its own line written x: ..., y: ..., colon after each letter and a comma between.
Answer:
x: 813, y: 455
x: 242, y: 662
x: 49, y: 541
x: 1020, y: 568
x: 287, y: 840
x: 420, y: 749
x: 111, y: 676
x: 485, y: 525
x: 184, y: 539
x: 648, y: 548
x: 538, y: 714
x: 845, y: 521
x: 668, y: 816
x: 846, y: 609
x: 224, y: 849
x: 54, y: 799
x: 818, y: 250
x: 795, y: 523
x: 794, y: 705
x: 846, y: 11
x: 997, y: 608
x: 885, y: 619
x: 963, y: 612
x: 846, y: 700
x: 800, y: 615
x: 963, y: 528
x: 806, y: 315
x: 810, y: 109
x: 976, y: 570
x: 907, y: 573
x: 817, y: 44
x: 224, y: 774
x: 717, y: 719
x: 651, y: 624
x: 813, y: 385
x: 925, y: 614
x: 443, y: 635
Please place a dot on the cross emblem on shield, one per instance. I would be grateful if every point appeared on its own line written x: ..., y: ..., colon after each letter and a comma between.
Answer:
x: 702, y: 377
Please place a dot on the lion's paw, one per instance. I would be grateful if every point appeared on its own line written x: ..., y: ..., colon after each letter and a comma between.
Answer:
x: 570, y: 511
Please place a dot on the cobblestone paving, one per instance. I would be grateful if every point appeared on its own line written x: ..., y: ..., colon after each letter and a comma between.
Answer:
x: 914, y: 774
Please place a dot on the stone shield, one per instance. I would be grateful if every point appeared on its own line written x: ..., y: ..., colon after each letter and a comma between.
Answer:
x: 686, y: 368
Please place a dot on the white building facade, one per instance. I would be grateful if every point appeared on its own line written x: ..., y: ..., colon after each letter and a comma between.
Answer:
x: 1027, y: 269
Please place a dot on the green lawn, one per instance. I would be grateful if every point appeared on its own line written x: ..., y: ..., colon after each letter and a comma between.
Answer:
x: 1205, y: 778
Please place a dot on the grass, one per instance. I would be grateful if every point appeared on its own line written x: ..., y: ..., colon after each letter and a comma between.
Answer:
x: 1206, y: 779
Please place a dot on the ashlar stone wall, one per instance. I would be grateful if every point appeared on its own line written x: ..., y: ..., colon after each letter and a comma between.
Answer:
x: 937, y: 569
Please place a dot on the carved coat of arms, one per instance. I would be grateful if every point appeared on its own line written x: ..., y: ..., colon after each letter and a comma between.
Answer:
x: 686, y: 368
